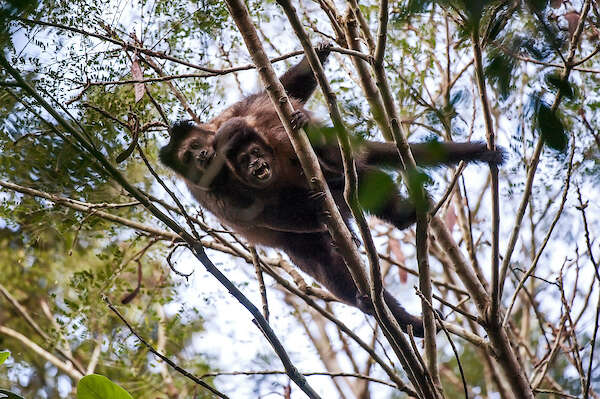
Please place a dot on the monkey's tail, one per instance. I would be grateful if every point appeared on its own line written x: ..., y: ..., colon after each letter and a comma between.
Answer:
x: 434, y: 153
x: 447, y: 153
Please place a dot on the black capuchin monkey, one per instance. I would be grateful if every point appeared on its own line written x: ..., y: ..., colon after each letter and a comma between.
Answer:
x: 242, y: 168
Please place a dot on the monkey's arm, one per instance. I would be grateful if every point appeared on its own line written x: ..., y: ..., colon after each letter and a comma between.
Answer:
x: 299, y: 81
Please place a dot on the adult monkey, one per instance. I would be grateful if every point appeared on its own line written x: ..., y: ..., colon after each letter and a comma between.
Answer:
x: 242, y: 168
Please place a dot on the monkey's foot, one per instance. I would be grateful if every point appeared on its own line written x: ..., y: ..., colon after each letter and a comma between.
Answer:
x: 299, y: 120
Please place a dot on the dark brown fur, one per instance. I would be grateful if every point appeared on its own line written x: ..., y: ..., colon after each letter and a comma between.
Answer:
x: 283, y: 213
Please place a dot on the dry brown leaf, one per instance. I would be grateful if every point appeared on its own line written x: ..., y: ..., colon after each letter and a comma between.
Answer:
x: 572, y: 18
x: 136, y: 74
x: 450, y: 218
x: 396, y: 250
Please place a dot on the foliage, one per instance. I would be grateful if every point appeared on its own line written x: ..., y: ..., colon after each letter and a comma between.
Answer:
x: 96, y: 386
x: 58, y: 262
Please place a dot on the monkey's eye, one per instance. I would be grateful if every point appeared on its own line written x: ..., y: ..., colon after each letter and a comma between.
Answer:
x: 255, y: 152
x: 195, y: 145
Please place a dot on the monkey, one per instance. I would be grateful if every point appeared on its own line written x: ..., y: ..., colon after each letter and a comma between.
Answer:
x: 242, y: 168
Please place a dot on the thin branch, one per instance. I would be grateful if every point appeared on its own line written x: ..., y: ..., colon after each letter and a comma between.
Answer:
x: 442, y: 324
x: 588, y: 242
x: 449, y: 189
x: 84, y: 207
x: 307, y: 374
x: 23, y: 312
x: 491, y: 141
x: 66, y: 367
x: 546, y: 239
x: 165, y: 359
x: 535, y: 158
x: 261, y: 282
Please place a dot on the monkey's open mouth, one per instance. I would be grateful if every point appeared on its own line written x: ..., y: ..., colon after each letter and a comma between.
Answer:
x: 263, y: 172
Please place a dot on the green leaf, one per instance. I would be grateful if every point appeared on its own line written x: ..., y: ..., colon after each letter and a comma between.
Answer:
x: 416, y: 180
x: 8, y: 395
x: 549, y: 125
x: 375, y: 190
x: 3, y: 356
x: 410, y: 9
x: 95, y: 386
x: 554, y: 80
x: 499, y: 70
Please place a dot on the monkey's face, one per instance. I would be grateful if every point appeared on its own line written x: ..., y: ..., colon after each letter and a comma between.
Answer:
x: 195, y: 156
x: 254, y: 163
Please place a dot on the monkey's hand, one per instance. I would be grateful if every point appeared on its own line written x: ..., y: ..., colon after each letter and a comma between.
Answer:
x: 299, y: 119
x: 323, y: 50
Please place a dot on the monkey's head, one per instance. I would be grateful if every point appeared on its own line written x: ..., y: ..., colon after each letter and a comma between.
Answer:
x: 249, y: 157
x: 190, y: 153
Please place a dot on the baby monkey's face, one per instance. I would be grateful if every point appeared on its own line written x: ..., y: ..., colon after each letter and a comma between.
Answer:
x: 195, y: 155
x: 254, y: 164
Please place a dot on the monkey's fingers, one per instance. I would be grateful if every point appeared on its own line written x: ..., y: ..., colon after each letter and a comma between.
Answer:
x: 323, y: 49
x: 299, y: 120
x: 316, y: 195
x: 356, y: 240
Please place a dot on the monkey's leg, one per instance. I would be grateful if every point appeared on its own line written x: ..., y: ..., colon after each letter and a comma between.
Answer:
x: 397, y: 210
x: 315, y: 255
x: 299, y: 81
x: 386, y: 202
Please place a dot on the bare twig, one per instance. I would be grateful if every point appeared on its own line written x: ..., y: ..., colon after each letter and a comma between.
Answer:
x: 165, y: 359
x: 443, y: 326
x: 275, y: 372
x: 588, y: 242
x: 261, y: 282
x: 546, y: 239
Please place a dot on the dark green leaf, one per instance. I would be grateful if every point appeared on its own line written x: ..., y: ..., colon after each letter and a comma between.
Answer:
x: 537, y: 5
x: 375, y: 190
x: 554, y: 80
x: 549, y: 125
x: 411, y: 8
x: 499, y: 70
